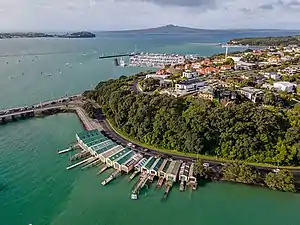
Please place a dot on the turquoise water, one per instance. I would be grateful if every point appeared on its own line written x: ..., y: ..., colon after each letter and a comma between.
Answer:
x: 35, y: 186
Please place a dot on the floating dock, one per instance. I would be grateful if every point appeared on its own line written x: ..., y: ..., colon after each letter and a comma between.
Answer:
x: 80, y: 163
x: 111, y: 177
x: 80, y: 155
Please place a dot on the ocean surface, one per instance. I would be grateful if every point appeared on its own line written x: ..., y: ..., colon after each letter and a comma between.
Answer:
x: 35, y: 186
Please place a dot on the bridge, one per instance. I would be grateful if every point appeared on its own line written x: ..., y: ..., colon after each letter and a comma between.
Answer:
x: 12, y: 114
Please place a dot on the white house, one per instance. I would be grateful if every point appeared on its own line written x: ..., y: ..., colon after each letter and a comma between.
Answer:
x: 274, y: 76
x: 190, y: 85
x: 285, y: 86
x: 252, y: 93
x: 190, y: 74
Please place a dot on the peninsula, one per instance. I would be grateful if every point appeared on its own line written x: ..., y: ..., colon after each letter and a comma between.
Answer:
x: 266, y: 41
x: 82, y: 34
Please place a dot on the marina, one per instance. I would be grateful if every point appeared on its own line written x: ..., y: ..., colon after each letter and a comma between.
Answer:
x: 98, y: 149
x: 156, y: 59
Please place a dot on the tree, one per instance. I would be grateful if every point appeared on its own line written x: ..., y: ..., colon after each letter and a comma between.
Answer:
x: 200, y: 170
x: 269, y: 98
x: 282, y: 180
x: 89, y: 108
x: 229, y: 61
x: 240, y: 173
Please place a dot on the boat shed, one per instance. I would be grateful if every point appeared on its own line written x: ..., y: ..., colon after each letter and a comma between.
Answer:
x: 103, y: 156
x: 117, y: 156
x: 184, y: 172
x: 156, y: 166
x: 163, y: 171
x: 117, y: 164
x: 140, y: 164
x: 192, y: 178
x: 87, y: 134
x: 173, y: 170
x: 128, y: 166
x: 147, y: 166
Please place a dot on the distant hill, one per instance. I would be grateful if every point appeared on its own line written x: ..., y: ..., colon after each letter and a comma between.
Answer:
x: 173, y: 29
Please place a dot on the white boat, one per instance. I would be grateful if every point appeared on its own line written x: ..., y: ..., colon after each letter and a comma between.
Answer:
x: 134, y: 196
x: 122, y: 62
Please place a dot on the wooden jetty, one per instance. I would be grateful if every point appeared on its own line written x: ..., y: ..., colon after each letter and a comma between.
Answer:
x: 90, y: 164
x: 65, y: 150
x: 80, y: 155
x: 139, y: 185
x: 80, y: 163
x: 111, y: 177
x: 182, y: 186
x: 168, y: 188
x: 102, y: 170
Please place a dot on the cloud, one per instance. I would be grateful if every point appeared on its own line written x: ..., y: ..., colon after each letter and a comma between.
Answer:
x: 186, y: 3
x: 69, y: 15
x: 266, y: 7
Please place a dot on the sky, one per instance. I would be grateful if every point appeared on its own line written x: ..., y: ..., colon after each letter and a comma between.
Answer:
x: 94, y: 15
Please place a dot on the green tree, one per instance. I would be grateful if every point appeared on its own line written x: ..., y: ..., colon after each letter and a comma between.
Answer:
x: 269, y: 98
x: 282, y: 180
x: 240, y: 173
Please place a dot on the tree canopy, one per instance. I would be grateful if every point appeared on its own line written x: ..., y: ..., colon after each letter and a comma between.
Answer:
x: 246, y: 131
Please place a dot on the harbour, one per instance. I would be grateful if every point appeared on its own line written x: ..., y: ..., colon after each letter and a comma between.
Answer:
x: 124, y: 160
x: 58, y: 195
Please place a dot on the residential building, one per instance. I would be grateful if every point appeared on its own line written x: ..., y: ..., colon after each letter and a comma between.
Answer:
x: 285, y: 86
x: 190, y: 85
x: 190, y: 74
x: 251, y: 93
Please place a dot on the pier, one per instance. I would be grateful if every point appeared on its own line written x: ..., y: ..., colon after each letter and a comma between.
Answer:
x: 160, y: 182
x: 80, y: 155
x: 93, y: 163
x: 80, y: 163
x: 118, y: 55
x: 65, y: 150
x: 102, y: 170
x: 139, y: 185
x: 111, y: 177
x: 168, y: 188
x: 133, y: 175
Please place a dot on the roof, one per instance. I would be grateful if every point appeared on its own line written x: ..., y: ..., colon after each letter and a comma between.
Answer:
x: 188, y: 82
x: 119, y: 154
x: 95, y: 142
x: 112, y: 151
x: 251, y: 90
x: 166, y: 166
x: 285, y: 83
x: 158, y: 164
x: 174, y: 167
x: 125, y: 158
x: 149, y: 163
x: 141, y: 163
x: 191, y: 173
x: 87, y: 134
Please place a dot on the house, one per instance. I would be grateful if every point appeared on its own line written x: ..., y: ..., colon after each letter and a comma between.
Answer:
x: 252, y: 93
x: 206, y: 93
x: 274, y: 59
x: 267, y: 86
x: 190, y: 85
x: 206, y: 62
x: 272, y: 75
x: 190, y: 74
x: 285, y: 86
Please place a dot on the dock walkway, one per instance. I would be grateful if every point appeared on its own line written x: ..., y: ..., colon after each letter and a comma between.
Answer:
x: 111, y: 177
x: 80, y: 163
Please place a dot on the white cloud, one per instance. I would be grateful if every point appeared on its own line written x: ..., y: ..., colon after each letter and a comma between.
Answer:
x: 129, y: 14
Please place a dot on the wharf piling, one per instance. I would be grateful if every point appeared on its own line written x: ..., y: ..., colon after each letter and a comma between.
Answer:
x: 80, y: 155
x: 90, y: 164
x: 160, y: 182
x: 80, y: 163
